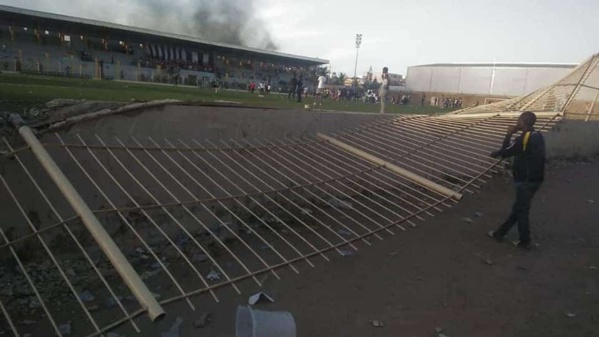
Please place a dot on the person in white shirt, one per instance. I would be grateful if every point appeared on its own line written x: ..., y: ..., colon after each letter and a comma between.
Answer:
x: 384, y: 90
x: 322, y: 80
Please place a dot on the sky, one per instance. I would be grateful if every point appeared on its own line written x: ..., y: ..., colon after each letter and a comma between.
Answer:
x: 396, y: 33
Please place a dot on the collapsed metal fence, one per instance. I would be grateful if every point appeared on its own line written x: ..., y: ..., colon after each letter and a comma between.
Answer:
x: 194, y: 216
x: 576, y: 96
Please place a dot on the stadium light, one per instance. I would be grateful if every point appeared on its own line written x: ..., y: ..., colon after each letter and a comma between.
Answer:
x: 358, y: 43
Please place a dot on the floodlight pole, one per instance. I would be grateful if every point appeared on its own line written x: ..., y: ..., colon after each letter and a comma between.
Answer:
x: 358, y: 43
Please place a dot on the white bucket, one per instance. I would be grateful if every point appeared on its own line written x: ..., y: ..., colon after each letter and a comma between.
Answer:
x: 257, y: 323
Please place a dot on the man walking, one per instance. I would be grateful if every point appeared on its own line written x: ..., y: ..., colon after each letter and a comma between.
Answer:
x: 528, y: 151
x: 384, y: 90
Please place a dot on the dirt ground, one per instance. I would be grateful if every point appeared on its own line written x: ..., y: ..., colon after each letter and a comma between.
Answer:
x: 448, y: 274
x: 444, y: 274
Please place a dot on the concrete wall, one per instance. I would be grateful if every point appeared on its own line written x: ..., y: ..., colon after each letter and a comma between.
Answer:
x: 483, y: 80
x: 572, y: 138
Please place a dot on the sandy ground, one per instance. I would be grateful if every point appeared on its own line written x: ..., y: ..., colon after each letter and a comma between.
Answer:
x: 448, y: 274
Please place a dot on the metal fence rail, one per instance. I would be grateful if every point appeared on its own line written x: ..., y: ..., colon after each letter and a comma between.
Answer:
x: 195, y: 216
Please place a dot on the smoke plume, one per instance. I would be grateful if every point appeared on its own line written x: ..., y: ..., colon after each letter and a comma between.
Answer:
x: 228, y: 21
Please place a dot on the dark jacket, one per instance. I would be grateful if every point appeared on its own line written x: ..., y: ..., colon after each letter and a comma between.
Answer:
x: 529, y: 158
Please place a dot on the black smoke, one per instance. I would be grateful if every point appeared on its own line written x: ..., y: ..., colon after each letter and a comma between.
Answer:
x: 227, y: 21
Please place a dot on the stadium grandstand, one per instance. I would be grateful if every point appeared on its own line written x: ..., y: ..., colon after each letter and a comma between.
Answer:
x: 59, y: 45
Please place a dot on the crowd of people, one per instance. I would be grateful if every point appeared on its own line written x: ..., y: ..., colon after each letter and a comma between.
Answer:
x: 446, y: 102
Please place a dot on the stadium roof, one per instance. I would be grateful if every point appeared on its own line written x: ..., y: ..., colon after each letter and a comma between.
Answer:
x: 501, y: 65
x: 64, y: 23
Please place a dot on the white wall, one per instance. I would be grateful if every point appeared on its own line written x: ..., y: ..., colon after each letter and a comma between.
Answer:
x: 483, y: 80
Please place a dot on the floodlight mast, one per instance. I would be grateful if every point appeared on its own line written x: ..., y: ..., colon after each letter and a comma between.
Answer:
x: 358, y: 43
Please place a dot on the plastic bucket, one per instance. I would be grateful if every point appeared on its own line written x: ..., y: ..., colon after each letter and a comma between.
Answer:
x: 257, y: 323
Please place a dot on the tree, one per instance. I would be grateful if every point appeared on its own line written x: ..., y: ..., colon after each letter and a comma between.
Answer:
x: 341, y: 78
x: 322, y: 71
x: 372, y: 85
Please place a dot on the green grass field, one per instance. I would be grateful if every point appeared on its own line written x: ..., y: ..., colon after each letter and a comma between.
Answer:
x: 19, y: 93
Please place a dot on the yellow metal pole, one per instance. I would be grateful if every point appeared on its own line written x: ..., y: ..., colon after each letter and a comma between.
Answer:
x: 100, y: 235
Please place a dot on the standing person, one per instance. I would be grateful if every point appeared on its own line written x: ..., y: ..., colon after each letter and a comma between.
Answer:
x: 422, y: 101
x: 299, y: 88
x: 528, y: 151
x: 384, y: 90
x: 292, y: 87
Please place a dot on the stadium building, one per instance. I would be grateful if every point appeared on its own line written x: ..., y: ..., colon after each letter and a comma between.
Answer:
x: 46, y: 43
x: 481, y: 83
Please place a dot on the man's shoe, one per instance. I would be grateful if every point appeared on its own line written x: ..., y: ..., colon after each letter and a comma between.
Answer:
x: 495, y: 236
x: 522, y: 244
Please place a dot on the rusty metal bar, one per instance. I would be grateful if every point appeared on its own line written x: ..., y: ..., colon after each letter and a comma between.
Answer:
x: 400, y: 171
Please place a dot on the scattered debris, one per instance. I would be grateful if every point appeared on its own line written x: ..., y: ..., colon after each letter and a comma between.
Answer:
x: 347, y: 253
x: 468, y: 220
x: 213, y: 276
x: 442, y: 335
x: 393, y: 253
x: 181, y: 240
x: 479, y: 214
x: 156, y: 266
x: 439, y: 330
x: 87, y: 296
x: 93, y: 308
x: 260, y: 297
x: 593, y: 268
x: 591, y: 201
x: 70, y: 272
x: 111, y: 302
x: 484, y: 259
x: 61, y: 102
x: 156, y: 296
x: 113, y: 334
x: 225, y: 230
x: 344, y: 232
x: 306, y: 211
x: 174, y: 330
x: 34, y: 303
x: 570, y: 314
x: 377, y: 324
x: 334, y: 202
x: 65, y: 329
x: 199, y: 258
x: 142, y: 253
x: 28, y: 322
x: 522, y: 268
x: 203, y: 321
